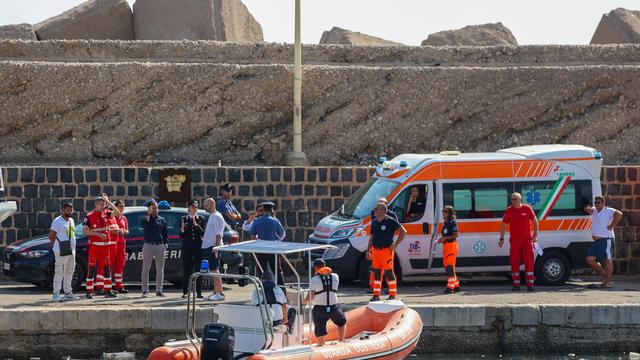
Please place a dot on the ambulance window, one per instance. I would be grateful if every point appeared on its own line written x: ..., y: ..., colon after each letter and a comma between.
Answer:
x: 478, y: 200
x: 575, y: 196
x: 410, y: 205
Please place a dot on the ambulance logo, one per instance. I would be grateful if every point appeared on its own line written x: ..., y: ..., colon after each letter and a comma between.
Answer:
x: 479, y: 247
x: 415, y: 248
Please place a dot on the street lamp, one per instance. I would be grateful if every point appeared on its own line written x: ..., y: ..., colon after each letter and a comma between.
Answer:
x: 297, y: 156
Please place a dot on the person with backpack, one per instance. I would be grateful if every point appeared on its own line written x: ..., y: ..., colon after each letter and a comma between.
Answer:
x: 274, y: 297
x: 324, y: 297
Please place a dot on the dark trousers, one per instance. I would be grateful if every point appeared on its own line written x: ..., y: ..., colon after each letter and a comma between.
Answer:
x: 191, y: 259
x: 267, y: 261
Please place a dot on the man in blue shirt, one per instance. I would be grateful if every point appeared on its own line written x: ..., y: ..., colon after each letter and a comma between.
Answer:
x: 267, y: 227
x: 225, y: 206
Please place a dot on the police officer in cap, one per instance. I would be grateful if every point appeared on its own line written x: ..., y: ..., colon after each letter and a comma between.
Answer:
x: 267, y: 227
x: 191, y: 231
x: 226, y: 208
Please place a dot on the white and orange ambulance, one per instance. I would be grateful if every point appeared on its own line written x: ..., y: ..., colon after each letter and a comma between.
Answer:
x: 556, y: 180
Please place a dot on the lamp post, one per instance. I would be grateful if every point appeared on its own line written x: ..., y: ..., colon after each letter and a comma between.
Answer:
x: 297, y: 156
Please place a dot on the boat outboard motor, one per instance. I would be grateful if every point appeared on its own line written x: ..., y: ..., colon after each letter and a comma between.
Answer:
x: 218, y: 342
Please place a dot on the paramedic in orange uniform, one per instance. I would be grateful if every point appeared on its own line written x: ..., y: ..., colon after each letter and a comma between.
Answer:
x: 519, y: 216
x: 450, y: 248
x: 381, y: 250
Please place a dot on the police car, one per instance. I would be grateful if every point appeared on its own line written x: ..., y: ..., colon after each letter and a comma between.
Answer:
x: 31, y: 260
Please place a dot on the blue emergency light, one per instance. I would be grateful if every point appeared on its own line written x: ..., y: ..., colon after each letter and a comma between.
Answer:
x: 381, y: 160
x: 404, y: 163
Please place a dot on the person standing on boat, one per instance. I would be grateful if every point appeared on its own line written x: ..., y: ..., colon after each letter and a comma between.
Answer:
x: 63, y: 236
x: 213, y: 233
x: 274, y: 297
x: 225, y: 207
x: 381, y: 249
x: 519, y: 216
x: 604, y: 220
x: 267, y: 227
x: 450, y: 248
x: 156, y: 242
x: 191, y: 232
x: 324, y: 298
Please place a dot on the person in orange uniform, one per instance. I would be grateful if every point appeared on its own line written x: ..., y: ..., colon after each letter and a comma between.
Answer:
x: 519, y: 216
x: 450, y: 248
x: 381, y: 250
x: 95, y: 226
x: 120, y: 257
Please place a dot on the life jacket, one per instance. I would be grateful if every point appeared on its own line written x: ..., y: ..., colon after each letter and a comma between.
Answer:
x: 269, y: 294
x: 327, y: 282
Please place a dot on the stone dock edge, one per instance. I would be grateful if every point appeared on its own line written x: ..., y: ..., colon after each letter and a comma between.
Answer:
x: 582, y: 329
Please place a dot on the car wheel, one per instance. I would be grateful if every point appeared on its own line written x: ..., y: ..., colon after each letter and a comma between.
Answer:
x: 552, y: 268
x: 79, y: 275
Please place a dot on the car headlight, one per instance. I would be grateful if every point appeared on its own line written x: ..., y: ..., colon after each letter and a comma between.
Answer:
x: 345, y: 232
x: 34, y: 254
x: 336, y: 253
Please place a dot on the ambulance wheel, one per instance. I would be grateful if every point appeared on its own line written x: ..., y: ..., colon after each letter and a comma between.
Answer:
x: 79, y: 275
x: 552, y: 268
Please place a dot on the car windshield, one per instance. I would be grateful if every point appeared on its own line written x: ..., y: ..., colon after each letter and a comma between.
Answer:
x: 361, y: 203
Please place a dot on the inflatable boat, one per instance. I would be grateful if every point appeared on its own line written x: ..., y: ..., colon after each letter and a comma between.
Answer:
x: 378, y: 330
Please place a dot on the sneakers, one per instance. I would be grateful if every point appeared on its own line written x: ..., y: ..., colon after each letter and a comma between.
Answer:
x: 375, y: 298
x: 56, y: 298
x: 200, y: 296
x: 215, y: 297
x: 89, y: 296
x: 448, y: 291
x: 184, y: 296
x: 159, y: 294
x: 145, y: 294
x: 515, y: 288
x: 110, y: 294
x: 100, y: 292
x: 391, y: 297
x: 530, y: 289
x: 121, y: 291
x: 70, y: 297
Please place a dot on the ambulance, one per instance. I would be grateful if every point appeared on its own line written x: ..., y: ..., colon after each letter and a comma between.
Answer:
x: 557, y: 181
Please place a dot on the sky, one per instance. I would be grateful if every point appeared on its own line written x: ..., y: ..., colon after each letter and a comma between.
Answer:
x: 404, y: 21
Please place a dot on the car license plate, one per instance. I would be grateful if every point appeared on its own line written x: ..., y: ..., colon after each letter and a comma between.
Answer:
x: 6, y: 266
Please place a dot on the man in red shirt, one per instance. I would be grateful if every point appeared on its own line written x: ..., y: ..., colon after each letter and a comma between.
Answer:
x: 96, y: 226
x: 519, y: 216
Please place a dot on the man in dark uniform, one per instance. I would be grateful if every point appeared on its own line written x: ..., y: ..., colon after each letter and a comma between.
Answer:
x: 381, y: 250
x: 226, y: 208
x: 391, y: 214
x: 450, y: 248
x: 191, y: 231
x: 267, y: 227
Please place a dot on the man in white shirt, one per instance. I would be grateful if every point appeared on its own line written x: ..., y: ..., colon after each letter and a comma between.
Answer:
x: 274, y: 297
x: 324, y: 298
x: 63, y: 236
x: 213, y: 233
x: 603, y: 220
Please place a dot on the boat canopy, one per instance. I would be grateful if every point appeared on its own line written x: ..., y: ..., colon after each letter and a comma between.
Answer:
x: 272, y: 247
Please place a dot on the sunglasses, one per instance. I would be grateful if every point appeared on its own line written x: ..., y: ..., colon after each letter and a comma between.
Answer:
x: 597, y: 202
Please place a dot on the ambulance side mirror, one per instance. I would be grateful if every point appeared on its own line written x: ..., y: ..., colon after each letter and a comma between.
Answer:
x: 426, y: 228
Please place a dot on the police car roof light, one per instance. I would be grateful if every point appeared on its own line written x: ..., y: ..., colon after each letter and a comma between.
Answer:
x: 382, y: 159
x: 164, y: 204
x: 404, y: 163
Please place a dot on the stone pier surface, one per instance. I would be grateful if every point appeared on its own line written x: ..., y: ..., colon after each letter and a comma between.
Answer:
x: 484, y: 318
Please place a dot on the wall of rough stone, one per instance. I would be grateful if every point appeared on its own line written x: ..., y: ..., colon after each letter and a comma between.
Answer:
x: 303, y: 195
x: 126, y: 103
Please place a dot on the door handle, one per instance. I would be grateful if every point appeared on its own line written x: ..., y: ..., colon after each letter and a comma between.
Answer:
x: 426, y: 228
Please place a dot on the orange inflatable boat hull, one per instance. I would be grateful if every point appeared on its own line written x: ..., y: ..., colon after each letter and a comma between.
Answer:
x: 370, y: 335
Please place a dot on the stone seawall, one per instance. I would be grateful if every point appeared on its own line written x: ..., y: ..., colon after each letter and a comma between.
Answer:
x: 199, y: 102
x: 477, y: 329
x: 303, y: 195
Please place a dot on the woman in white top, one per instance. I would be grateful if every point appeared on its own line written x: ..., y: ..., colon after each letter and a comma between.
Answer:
x: 63, y: 230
